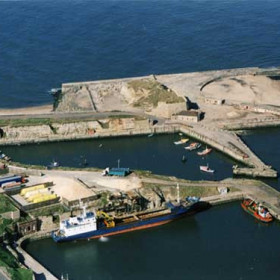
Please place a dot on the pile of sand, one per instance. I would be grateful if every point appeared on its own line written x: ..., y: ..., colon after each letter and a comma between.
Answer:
x: 246, y: 89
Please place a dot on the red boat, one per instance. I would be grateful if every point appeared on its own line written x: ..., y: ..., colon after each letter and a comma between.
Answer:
x: 256, y: 210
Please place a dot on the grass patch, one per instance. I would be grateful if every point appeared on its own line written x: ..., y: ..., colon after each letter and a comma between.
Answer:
x: 5, y: 205
x: 4, y: 223
x: 13, y: 267
x: 156, y: 93
x: 64, y: 168
x: 25, y: 122
x: 49, y: 210
x: 51, y: 122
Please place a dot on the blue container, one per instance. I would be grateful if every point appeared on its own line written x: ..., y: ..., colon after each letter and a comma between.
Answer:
x: 6, y: 179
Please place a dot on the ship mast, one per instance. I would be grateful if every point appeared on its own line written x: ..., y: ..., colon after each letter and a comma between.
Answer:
x: 178, y: 193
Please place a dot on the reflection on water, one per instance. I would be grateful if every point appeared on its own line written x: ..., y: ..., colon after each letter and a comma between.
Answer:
x: 223, y: 242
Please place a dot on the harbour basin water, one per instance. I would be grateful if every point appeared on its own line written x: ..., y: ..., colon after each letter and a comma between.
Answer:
x: 223, y: 242
x: 157, y: 154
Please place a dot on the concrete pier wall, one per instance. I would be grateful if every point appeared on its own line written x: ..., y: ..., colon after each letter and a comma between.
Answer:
x: 30, y: 262
x: 99, y: 134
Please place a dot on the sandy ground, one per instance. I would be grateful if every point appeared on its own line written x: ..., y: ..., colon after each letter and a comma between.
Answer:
x: 246, y: 89
x: 114, y: 183
x: 44, y: 109
x: 64, y: 186
x: 67, y: 185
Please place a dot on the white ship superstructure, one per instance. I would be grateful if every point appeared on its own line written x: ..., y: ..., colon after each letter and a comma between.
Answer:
x: 78, y: 225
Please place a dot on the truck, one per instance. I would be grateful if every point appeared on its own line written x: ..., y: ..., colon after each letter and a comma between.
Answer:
x: 11, y: 178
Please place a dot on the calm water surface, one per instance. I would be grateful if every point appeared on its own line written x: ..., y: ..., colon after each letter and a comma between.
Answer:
x: 157, y: 154
x: 45, y: 43
x: 221, y: 243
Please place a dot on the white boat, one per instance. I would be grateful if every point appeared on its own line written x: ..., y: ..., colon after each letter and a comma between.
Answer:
x: 206, y: 168
x: 54, y: 91
x: 53, y: 164
x: 193, y: 146
x: 205, y: 152
x: 182, y: 141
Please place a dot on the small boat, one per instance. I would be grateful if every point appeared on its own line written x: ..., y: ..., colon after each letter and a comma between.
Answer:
x: 182, y: 141
x: 206, y: 151
x: 193, y: 146
x: 53, y: 164
x: 151, y: 135
x: 206, y: 168
x: 257, y: 210
x: 184, y: 159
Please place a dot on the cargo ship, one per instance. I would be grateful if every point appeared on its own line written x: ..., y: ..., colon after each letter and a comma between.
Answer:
x: 91, y: 225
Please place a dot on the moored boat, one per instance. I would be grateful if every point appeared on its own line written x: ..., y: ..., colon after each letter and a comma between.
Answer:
x: 206, y: 168
x: 182, y: 141
x: 90, y: 225
x: 53, y: 164
x: 258, y: 211
x: 193, y: 146
x: 206, y: 151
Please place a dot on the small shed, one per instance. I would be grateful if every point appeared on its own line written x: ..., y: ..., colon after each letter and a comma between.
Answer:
x: 122, y: 172
x: 187, y: 116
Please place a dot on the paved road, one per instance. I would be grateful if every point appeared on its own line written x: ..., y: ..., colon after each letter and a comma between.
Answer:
x: 3, y: 276
x: 74, y: 115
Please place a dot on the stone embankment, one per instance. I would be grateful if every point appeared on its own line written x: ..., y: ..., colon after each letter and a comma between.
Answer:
x: 30, y: 262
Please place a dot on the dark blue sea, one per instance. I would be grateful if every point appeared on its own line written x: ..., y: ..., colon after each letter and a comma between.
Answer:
x: 46, y: 43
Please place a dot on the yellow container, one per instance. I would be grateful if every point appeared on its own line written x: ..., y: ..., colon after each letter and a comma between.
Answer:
x: 31, y: 198
x: 33, y: 188
x: 31, y: 193
x: 45, y: 198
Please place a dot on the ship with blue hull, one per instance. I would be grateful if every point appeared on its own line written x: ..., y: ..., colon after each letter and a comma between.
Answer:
x: 91, y: 225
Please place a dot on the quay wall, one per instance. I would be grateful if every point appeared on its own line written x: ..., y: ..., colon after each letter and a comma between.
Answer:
x: 252, y: 124
x: 29, y: 261
x: 255, y: 172
x: 98, y: 134
x: 225, y: 198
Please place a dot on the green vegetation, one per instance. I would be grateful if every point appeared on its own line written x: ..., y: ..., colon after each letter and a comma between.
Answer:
x: 153, y: 92
x: 13, y: 267
x: 49, y: 210
x: 25, y: 122
x: 64, y: 168
x: 49, y: 121
x: 4, y: 223
x: 6, y: 205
